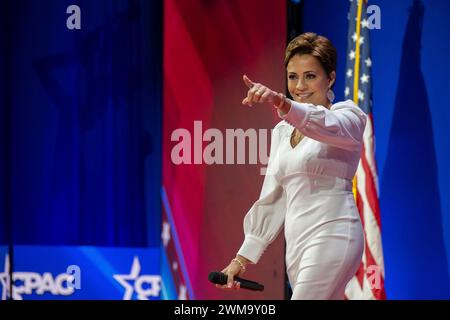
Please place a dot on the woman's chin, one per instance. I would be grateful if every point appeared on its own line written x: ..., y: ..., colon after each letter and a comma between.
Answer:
x: 303, y: 100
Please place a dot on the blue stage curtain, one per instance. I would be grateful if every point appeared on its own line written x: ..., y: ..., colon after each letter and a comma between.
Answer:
x: 85, y: 123
x: 416, y: 233
x: 4, y: 127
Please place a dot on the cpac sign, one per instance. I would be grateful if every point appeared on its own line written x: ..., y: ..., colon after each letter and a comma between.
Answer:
x: 27, y: 282
x: 64, y: 284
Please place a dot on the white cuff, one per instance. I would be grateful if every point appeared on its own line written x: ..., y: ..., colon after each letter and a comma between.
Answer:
x: 252, y: 248
x: 297, y: 115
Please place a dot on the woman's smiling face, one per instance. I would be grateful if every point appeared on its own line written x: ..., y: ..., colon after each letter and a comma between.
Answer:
x: 308, y: 81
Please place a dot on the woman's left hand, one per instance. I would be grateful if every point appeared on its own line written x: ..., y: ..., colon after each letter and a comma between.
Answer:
x: 259, y: 93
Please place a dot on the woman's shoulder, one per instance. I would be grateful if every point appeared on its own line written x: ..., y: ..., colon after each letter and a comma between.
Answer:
x: 281, y: 129
x: 347, y: 104
x: 281, y: 125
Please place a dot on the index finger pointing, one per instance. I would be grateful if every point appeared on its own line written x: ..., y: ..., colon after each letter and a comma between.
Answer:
x: 248, y: 82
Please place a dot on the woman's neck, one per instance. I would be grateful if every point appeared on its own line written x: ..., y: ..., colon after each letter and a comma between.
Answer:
x: 327, y: 104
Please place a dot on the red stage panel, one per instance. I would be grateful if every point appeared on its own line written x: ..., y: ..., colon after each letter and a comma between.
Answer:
x: 208, y: 45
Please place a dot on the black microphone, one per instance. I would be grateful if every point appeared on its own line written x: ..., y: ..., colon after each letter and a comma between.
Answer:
x: 221, y: 278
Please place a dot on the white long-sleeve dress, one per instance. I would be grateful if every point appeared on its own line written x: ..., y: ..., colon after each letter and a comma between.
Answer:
x: 308, y: 190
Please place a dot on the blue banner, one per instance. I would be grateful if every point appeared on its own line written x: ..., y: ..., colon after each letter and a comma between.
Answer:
x: 84, y: 273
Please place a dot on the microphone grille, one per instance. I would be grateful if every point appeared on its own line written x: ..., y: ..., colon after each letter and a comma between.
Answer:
x: 217, y: 277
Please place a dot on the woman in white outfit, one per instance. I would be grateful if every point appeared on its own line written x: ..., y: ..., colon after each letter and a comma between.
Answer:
x: 314, y: 154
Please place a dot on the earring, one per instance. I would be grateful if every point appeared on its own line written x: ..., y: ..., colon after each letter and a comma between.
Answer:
x: 330, y: 95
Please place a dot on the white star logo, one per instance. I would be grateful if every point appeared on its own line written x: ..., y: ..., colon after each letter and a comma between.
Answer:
x: 182, y: 295
x: 139, y: 280
x: 5, y: 279
x: 347, y: 91
x: 360, y: 41
x: 360, y: 95
x: 352, y: 55
x: 365, y: 23
x: 349, y: 73
x: 365, y: 78
x: 165, y: 235
x: 368, y: 62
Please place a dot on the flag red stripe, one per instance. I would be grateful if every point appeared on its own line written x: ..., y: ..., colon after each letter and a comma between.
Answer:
x: 360, y: 273
x: 371, y: 191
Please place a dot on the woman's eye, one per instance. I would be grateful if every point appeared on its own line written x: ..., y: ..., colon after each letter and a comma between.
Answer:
x: 310, y: 76
x: 292, y: 77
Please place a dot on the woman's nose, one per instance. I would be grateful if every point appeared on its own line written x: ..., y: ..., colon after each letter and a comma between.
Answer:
x: 301, y: 85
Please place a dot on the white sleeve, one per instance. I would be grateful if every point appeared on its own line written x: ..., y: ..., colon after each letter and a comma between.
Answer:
x: 265, y: 219
x: 342, y: 126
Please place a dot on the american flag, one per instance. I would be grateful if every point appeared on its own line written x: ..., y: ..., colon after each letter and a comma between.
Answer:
x: 368, y: 283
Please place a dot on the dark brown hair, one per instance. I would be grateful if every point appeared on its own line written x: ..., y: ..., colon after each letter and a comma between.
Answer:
x: 315, y: 45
